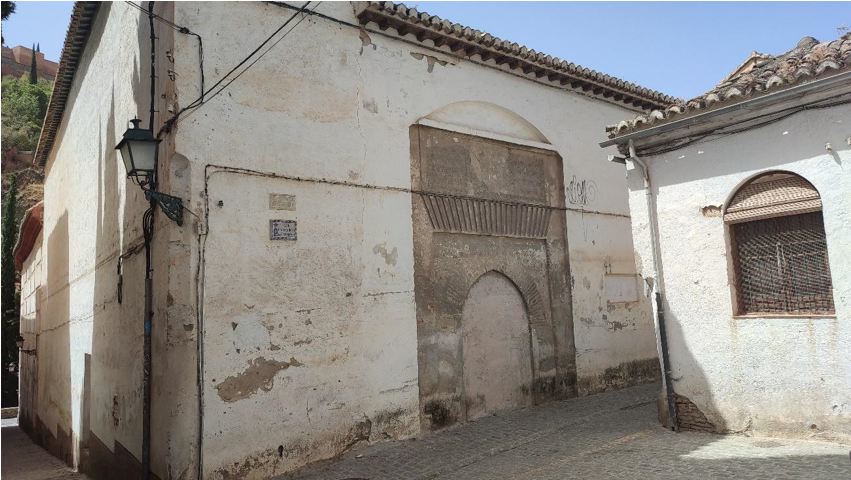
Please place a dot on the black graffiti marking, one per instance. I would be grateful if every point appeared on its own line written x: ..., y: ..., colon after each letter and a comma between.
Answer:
x: 582, y: 192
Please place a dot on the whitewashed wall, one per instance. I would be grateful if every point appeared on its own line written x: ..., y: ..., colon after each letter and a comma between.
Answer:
x: 335, y: 103
x: 90, y: 346
x: 768, y: 376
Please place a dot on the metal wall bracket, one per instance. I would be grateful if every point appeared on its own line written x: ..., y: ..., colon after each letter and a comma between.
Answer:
x: 170, y: 205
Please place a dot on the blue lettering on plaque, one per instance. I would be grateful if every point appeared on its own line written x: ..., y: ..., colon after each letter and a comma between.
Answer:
x: 283, y: 230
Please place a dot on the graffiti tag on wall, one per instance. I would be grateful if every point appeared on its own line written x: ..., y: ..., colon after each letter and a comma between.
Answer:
x: 582, y: 192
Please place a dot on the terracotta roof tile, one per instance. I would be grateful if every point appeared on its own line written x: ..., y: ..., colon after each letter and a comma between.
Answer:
x: 467, y: 42
x: 809, y: 60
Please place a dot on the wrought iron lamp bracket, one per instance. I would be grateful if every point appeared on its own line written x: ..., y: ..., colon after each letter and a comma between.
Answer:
x: 170, y: 205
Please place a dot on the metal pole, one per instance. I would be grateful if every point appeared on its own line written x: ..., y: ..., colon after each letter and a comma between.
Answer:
x: 148, y: 227
x: 148, y: 231
x: 146, y: 400
x: 153, y: 64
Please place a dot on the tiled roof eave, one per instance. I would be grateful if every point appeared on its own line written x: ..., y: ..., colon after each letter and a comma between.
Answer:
x: 31, y: 226
x: 824, y: 87
x: 82, y: 17
x: 466, y: 42
x: 823, y: 61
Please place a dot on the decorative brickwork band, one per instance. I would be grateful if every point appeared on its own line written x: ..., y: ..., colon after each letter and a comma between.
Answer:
x: 486, y: 217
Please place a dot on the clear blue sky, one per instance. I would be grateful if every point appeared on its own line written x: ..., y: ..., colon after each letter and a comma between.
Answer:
x: 680, y: 48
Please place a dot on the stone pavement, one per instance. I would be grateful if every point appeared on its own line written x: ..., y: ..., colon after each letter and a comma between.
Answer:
x: 24, y: 460
x: 606, y: 436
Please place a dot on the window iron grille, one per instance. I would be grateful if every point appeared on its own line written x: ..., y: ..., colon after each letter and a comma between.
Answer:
x: 782, y: 266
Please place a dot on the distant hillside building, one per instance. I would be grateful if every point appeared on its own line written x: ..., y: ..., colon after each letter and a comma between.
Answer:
x: 17, y: 61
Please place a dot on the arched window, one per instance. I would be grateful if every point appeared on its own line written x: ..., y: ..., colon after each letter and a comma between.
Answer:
x: 779, y: 248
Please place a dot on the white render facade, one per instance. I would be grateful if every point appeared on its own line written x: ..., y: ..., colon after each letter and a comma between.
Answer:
x: 270, y: 354
x: 766, y: 374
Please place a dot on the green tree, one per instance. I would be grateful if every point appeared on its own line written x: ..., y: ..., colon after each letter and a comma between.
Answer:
x: 9, y: 296
x: 8, y: 10
x: 24, y: 107
x: 33, y: 67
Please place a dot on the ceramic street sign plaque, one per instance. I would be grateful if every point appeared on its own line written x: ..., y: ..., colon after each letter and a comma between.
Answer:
x: 282, y: 230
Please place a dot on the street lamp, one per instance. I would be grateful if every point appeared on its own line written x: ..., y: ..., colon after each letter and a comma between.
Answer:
x: 139, y: 150
x: 19, y: 342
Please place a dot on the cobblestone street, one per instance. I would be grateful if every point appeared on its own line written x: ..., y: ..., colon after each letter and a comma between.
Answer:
x: 607, y: 436
x: 24, y: 460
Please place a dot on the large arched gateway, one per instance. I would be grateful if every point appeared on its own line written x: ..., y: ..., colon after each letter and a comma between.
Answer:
x: 489, y: 198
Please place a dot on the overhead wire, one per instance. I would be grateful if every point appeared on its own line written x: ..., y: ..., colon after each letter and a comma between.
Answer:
x: 250, y: 64
x: 778, y: 116
x: 202, y: 99
x: 180, y: 29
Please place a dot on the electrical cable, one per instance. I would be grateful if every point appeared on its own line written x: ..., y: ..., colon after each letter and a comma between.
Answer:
x: 250, y: 64
x: 183, y: 30
x: 782, y: 116
x: 201, y: 100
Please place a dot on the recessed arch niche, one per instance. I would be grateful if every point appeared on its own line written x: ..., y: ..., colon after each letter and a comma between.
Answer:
x: 489, y: 197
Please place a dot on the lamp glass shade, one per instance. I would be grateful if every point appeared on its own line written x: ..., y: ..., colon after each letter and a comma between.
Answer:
x: 19, y: 342
x: 124, y: 148
x: 143, y: 154
x: 138, y: 150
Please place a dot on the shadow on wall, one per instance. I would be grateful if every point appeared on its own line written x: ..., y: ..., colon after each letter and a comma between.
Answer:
x: 52, y: 426
x: 745, y: 371
x: 690, y: 416
x: 106, y: 409
x: 114, y: 404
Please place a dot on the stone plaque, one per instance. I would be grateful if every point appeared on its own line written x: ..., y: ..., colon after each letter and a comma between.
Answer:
x: 281, y: 201
x: 283, y: 230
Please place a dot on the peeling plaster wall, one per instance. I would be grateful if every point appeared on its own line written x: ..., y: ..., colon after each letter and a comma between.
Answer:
x: 770, y: 376
x: 89, y: 399
x: 308, y: 343
x: 335, y: 102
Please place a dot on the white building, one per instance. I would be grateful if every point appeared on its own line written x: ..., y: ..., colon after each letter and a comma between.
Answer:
x: 741, y: 198
x: 421, y: 172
